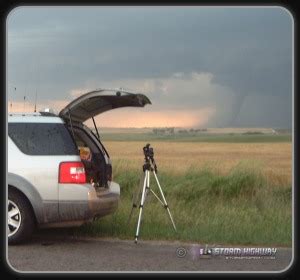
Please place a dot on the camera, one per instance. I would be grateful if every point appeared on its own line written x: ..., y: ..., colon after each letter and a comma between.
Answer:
x: 148, y: 151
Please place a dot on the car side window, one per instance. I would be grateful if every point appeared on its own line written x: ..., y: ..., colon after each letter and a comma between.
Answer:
x: 42, y: 138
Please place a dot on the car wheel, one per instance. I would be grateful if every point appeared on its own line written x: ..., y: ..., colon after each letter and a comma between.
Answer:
x: 20, y: 218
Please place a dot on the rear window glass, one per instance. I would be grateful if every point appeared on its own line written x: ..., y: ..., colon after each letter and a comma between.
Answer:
x: 42, y: 138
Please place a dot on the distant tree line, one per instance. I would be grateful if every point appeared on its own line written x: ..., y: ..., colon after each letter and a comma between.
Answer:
x: 192, y: 130
x: 171, y: 131
x: 167, y: 130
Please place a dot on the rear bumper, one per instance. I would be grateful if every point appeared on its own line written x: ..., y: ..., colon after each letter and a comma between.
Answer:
x: 79, y: 204
x: 103, y: 202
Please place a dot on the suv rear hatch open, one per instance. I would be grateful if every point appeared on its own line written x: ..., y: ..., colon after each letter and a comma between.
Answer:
x: 90, y: 105
x: 98, y: 101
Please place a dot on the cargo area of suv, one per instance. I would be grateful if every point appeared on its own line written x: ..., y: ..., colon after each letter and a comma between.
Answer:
x: 94, y: 157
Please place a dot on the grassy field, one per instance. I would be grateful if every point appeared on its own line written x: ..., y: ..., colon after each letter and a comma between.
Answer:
x: 219, y: 192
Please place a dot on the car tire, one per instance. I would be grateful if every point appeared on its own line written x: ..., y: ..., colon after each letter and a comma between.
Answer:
x: 21, y: 222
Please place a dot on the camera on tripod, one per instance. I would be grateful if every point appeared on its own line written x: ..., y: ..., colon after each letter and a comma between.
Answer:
x: 149, y: 167
x: 149, y: 158
x: 148, y: 151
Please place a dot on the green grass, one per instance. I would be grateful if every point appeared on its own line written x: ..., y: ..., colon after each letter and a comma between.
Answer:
x: 226, y: 138
x: 238, y: 208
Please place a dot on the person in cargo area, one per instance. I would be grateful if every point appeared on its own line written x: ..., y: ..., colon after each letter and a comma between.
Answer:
x: 86, y: 158
x: 85, y: 154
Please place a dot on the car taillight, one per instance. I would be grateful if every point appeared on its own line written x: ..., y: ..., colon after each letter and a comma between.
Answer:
x: 72, y: 173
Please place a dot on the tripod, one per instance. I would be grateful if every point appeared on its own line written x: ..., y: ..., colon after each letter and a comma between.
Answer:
x: 149, y: 166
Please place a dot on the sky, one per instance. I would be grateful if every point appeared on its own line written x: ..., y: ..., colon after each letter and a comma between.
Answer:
x: 199, y: 66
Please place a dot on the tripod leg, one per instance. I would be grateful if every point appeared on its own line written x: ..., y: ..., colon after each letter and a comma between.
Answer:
x: 164, y: 200
x: 141, y: 205
x: 136, y: 196
x: 147, y: 186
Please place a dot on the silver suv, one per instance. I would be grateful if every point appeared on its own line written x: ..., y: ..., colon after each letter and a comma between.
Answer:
x: 59, y: 173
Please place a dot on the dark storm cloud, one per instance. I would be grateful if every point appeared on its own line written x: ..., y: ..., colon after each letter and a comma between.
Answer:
x: 247, y: 50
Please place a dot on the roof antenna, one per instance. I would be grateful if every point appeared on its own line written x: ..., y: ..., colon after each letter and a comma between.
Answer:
x: 35, y: 100
x: 24, y: 103
x: 11, y: 100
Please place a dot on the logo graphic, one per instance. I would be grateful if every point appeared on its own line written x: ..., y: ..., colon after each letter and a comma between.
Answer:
x: 181, y: 252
